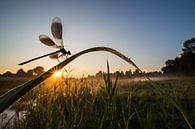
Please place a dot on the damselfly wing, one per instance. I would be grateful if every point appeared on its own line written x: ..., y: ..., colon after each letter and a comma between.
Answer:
x: 56, y: 29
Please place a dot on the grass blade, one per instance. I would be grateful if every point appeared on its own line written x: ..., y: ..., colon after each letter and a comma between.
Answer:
x: 7, y: 99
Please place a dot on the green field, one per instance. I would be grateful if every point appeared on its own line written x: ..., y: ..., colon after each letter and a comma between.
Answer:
x: 100, y: 104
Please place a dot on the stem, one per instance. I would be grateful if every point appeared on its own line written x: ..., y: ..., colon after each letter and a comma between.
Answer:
x: 7, y: 99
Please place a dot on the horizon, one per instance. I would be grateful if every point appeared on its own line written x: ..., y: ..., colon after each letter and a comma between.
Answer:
x: 149, y: 33
x: 111, y: 72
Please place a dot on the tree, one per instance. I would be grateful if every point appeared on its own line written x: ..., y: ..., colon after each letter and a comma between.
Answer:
x: 20, y: 73
x: 121, y: 74
x: 189, y: 46
x: 29, y: 73
x: 184, y: 64
x: 8, y: 74
x: 117, y: 73
x: 38, y: 70
x: 136, y: 73
x: 99, y: 74
x: 170, y: 67
x: 128, y: 73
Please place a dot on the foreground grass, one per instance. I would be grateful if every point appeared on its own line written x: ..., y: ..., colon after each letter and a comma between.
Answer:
x: 81, y: 104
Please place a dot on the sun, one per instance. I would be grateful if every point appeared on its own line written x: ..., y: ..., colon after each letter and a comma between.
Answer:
x: 57, y: 74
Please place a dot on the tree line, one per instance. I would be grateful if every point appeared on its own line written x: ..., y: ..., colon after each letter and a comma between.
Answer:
x: 184, y: 64
x: 21, y: 73
x: 127, y: 74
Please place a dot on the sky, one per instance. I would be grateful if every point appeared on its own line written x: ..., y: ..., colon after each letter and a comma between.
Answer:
x: 147, y: 31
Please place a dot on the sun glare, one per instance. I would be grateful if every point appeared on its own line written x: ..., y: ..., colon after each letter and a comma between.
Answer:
x: 57, y: 74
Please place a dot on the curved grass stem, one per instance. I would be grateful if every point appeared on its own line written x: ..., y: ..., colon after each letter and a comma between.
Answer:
x: 7, y: 99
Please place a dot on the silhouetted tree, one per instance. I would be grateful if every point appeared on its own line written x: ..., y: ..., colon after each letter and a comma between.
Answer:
x: 99, y: 74
x: 29, y: 73
x: 121, y: 74
x: 184, y: 64
x: 170, y: 67
x: 116, y: 73
x: 136, y: 73
x: 8, y: 74
x: 128, y: 73
x: 189, y: 46
x: 38, y: 70
x: 20, y: 73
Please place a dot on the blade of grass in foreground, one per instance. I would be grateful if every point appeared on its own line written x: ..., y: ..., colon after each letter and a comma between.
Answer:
x: 15, y: 94
x: 7, y: 99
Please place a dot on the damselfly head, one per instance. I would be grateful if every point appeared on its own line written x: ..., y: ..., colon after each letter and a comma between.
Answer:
x: 68, y: 53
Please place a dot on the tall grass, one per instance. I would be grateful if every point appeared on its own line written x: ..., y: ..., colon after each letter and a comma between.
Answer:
x: 15, y: 94
x: 74, y: 104
x: 81, y: 107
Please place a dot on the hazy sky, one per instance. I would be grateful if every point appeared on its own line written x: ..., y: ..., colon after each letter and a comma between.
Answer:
x: 147, y: 31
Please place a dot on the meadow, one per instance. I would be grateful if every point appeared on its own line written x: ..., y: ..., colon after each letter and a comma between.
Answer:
x: 111, y: 103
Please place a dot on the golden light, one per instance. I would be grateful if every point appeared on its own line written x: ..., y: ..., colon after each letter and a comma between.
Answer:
x: 57, y: 74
